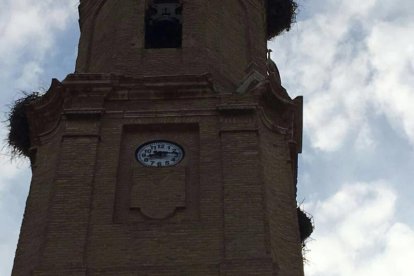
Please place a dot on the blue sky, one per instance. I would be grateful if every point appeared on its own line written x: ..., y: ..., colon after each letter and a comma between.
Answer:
x: 353, y: 61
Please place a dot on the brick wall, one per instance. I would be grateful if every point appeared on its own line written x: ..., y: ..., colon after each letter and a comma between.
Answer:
x: 230, y: 209
x: 219, y: 37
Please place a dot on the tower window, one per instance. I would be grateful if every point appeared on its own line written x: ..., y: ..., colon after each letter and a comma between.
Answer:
x: 163, y: 24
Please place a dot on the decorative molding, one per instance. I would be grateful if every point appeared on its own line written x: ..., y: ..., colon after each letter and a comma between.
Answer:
x: 269, y: 124
x: 237, y: 117
x: 280, y: 113
x: 44, y: 114
x: 83, y: 113
x: 252, y: 79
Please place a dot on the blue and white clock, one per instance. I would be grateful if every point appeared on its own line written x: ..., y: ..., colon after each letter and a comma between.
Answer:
x: 159, y: 153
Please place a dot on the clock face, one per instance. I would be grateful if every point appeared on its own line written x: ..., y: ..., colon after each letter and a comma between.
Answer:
x: 159, y: 153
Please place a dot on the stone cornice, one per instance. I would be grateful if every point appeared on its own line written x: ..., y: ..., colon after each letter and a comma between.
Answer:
x: 279, y: 112
x: 83, y: 96
x: 44, y: 114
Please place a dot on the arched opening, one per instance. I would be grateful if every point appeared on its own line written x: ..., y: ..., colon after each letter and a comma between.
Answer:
x: 163, y: 24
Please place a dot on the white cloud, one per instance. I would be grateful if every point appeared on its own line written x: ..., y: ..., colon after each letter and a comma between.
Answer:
x: 30, y: 73
x: 365, y: 140
x: 350, y: 58
x: 357, y: 234
x: 7, y: 169
x: 392, y: 51
x: 27, y: 30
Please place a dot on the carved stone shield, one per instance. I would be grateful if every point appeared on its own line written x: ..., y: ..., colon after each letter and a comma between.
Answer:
x: 158, y: 192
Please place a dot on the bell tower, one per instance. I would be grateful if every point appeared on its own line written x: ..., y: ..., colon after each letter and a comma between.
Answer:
x: 174, y: 37
x: 172, y: 149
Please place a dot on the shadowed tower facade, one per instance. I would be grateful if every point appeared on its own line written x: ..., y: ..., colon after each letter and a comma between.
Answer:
x: 172, y: 149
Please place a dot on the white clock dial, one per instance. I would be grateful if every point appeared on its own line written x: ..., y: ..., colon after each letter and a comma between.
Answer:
x: 159, y: 153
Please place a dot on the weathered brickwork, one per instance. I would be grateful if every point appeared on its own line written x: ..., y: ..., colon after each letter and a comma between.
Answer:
x: 233, y: 200
x: 228, y: 208
x: 220, y: 37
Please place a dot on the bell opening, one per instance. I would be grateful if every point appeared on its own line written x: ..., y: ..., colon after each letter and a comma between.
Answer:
x: 163, y: 24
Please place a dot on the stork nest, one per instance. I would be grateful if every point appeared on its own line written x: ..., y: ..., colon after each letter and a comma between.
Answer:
x: 18, y: 139
x: 281, y: 14
x: 306, y: 226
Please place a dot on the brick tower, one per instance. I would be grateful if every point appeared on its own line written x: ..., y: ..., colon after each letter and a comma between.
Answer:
x: 172, y: 149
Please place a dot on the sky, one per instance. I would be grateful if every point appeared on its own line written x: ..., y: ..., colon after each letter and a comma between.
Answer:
x: 353, y: 61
